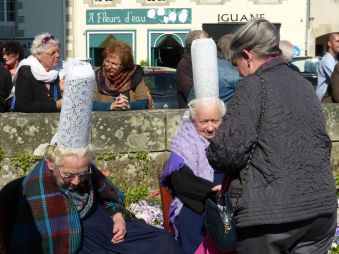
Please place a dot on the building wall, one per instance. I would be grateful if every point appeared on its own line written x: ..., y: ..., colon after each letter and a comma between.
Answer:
x: 324, y: 19
x: 38, y: 16
x: 291, y: 14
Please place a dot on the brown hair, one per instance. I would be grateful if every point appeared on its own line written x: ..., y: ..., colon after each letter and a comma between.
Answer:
x: 123, y: 50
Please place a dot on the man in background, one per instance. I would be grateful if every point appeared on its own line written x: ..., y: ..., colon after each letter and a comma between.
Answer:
x: 184, y: 75
x: 326, y: 67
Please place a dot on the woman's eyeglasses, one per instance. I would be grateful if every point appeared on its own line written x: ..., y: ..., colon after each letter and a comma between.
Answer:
x: 47, y: 39
x: 70, y: 177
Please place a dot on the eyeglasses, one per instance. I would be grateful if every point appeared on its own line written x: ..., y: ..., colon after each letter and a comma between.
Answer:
x: 112, y: 64
x: 47, y: 39
x: 70, y: 177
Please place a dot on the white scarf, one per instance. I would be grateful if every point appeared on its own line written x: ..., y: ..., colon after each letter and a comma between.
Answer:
x: 38, y: 71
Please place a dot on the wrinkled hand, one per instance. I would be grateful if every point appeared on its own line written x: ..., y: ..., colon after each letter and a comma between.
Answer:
x: 119, y: 228
x: 121, y: 103
x: 216, y: 188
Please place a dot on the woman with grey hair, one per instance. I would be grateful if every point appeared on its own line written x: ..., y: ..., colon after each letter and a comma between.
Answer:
x: 274, y: 143
x: 188, y: 174
x: 37, y: 83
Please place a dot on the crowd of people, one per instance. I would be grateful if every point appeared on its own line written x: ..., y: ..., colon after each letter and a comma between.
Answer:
x: 271, y: 145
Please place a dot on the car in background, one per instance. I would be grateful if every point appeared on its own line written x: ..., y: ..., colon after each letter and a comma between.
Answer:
x: 161, y: 82
x: 308, y: 67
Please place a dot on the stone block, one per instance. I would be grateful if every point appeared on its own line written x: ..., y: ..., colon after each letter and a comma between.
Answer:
x: 173, y: 120
x: 132, y: 131
x: 331, y: 113
x: 22, y: 133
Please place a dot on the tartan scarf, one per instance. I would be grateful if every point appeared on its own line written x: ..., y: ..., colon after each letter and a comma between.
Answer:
x: 46, y: 222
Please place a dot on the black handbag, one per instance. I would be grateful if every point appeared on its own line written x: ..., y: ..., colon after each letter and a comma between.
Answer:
x: 219, y: 216
x: 219, y: 222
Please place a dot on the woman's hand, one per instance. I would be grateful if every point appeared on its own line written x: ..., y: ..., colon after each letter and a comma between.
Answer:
x: 59, y: 104
x: 121, y: 103
x: 119, y: 228
x: 216, y: 188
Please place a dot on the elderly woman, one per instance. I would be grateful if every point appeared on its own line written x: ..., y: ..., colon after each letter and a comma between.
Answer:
x: 283, y: 190
x: 188, y: 174
x: 12, y: 53
x: 120, y: 83
x: 69, y: 206
x: 37, y: 80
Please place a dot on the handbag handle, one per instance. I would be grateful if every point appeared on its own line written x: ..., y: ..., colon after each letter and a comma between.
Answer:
x: 258, y: 129
x: 226, y: 181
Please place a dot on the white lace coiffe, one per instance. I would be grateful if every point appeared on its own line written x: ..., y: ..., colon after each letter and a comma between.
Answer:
x: 76, y: 111
x: 205, y: 68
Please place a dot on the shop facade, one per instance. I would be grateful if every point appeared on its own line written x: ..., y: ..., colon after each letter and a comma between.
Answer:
x: 156, y: 30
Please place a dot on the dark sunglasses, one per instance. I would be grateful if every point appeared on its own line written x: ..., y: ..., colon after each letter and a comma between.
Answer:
x: 47, y: 39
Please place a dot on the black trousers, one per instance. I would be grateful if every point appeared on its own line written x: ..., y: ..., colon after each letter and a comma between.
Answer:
x: 302, y: 237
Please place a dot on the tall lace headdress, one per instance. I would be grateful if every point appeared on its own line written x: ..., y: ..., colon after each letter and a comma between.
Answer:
x: 205, y: 68
x: 76, y: 112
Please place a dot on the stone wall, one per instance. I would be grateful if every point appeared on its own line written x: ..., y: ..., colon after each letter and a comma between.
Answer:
x: 132, y: 146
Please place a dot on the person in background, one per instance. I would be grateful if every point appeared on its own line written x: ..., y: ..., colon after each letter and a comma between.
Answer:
x: 283, y: 191
x: 188, y: 174
x: 37, y: 80
x: 120, y: 84
x: 334, y: 83
x: 12, y: 53
x: 326, y: 67
x: 5, y: 89
x: 287, y: 53
x: 228, y: 75
x: 184, y: 75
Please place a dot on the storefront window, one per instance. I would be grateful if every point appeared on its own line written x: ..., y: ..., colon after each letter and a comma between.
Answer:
x: 7, y: 10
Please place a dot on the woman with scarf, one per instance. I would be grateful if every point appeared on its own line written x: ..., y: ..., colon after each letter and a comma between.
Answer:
x: 66, y: 204
x: 120, y: 83
x: 37, y: 80
x: 188, y: 174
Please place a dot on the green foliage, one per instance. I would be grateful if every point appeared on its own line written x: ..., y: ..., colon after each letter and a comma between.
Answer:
x: 337, y: 180
x: 133, y: 194
x: 140, y: 189
x: 107, y: 156
x: 1, y: 154
x: 144, y: 63
x: 334, y: 250
x: 24, y: 163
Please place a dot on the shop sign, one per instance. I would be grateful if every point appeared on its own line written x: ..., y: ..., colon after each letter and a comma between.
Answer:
x: 236, y: 17
x: 139, y: 16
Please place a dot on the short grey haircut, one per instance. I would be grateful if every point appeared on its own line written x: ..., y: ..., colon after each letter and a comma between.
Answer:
x: 39, y: 47
x: 287, y: 50
x: 257, y: 35
x: 193, y: 35
x: 192, y: 106
x: 56, y: 154
x: 223, y: 46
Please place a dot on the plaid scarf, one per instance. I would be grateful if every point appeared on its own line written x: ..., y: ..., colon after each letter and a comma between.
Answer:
x: 117, y: 84
x: 46, y: 222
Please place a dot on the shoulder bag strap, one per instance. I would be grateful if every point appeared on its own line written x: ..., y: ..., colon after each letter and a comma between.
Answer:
x: 258, y: 129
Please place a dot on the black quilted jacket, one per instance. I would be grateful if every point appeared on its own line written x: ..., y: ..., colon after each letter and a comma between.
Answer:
x: 290, y: 176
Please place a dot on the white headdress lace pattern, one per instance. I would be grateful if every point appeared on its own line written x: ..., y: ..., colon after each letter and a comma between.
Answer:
x: 205, y: 68
x: 76, y: 112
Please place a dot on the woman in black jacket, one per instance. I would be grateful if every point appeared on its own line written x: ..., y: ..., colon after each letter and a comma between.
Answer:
x: 37, y: 84
x: 283, y: 190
